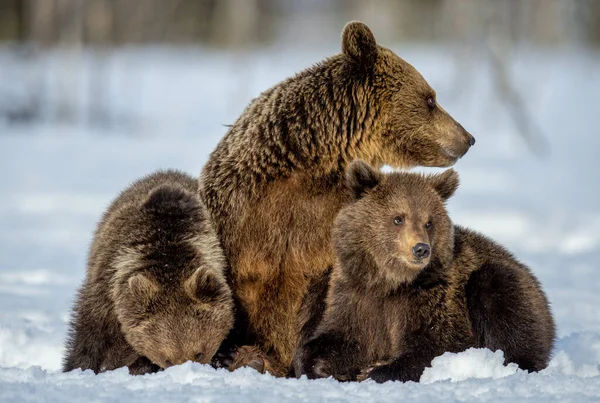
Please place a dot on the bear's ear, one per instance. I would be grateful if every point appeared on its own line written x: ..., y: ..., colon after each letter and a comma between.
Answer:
x: 445, y: 184
x: 143, y: 287
x: 205, y: 286
x: 361, y: 178
x: 170, y: 199
x: 359, y: 43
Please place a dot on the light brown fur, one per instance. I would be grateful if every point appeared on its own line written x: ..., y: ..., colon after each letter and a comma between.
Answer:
x: 155, y: 293
x: 274, y: 184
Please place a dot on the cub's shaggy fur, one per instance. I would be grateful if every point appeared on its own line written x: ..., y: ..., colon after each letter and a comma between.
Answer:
x: 408, y: 285
x: 155, y: 294
x: 274, y: 184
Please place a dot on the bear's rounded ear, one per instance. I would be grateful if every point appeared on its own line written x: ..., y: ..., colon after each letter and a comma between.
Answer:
x: 143, y: 287
x: 170, y: 199
x: 359, y: 43
x: 445, y: 184
x: 205, y: 286
x: 361, y: 178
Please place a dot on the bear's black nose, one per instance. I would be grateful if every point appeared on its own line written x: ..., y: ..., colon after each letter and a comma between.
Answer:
x: 471, y: 141
x: 421, y: 250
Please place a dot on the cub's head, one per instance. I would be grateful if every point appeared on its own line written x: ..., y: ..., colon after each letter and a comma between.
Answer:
x: 170, y: 293
x: 396, y: 226
x: 171, y: 325
x: 411, y: 127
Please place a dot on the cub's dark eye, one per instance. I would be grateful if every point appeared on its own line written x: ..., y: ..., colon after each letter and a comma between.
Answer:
x: 428, y: 224
x: 431, y: 102
x: 398, y: 221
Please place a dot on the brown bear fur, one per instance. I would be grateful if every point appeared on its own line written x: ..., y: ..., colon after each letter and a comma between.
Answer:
x: 274, y: 184
x: 252, y: 356
x: 155, y: 293
x: 390, y: 309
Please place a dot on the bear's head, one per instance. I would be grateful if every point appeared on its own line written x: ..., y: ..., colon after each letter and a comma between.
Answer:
x: 410, y: 128
x: 172, y: 325
x: 171, y: 297
x: 397, y: 226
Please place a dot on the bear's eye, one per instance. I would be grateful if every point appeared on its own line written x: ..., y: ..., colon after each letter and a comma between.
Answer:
x: 428, y: 224
x: 431, y: 102
x: 398, y: 221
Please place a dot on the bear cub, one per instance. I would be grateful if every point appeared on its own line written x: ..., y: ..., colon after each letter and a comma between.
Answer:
x: 155, y: 293
x: 408, y: 285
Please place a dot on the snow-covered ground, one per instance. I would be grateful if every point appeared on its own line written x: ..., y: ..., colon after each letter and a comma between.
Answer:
x: 167, y: 108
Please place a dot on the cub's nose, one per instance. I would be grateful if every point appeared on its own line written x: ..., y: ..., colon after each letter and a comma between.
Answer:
x: 471, y: 140
x: 421, y: 250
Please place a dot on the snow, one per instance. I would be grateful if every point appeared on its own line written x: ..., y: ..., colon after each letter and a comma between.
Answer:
x: 472, y: 363
x: 195, y: 382
x: 166, y: 109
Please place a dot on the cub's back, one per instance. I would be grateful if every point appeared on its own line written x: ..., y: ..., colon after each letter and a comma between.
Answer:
x: 122, y: 215
x: 506, y: 303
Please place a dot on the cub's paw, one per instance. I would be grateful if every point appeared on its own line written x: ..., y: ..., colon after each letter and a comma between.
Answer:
x: 224, y: 357
x: 143, y: 366
x: 312, y: 363
x: 318, y: 368
x: 365, y: 373
x: 402, y: 373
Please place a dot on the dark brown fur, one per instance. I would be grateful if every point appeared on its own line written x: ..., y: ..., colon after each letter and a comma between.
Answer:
x: 155, y: 293
x: 388, y: 309
x: 274, y: 184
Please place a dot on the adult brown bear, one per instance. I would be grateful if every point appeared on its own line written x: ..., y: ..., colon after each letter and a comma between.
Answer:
x: 275, y: 182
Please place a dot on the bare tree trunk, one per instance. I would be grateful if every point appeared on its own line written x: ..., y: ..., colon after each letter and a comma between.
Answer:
x: 234, y: 22
x: 70, y: 34
x: 500, y: 46
x: 99, y: 27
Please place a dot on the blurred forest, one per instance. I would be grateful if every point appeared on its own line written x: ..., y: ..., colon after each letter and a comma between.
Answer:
x: 232, y: 23
x: 80, y: 38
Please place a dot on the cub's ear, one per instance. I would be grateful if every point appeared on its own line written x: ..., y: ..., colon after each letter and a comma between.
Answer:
x: 143, y: 287
x: 359, y: 43
x: 361, y: 178
x: 169, y: 199
x: 445, y: 184
x: 206, y: 286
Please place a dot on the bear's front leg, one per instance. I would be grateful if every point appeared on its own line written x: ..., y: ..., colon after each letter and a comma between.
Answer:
x: 421, y: 348
x: 254, y: 357
x: 270, y: 300
x: 329, y: 355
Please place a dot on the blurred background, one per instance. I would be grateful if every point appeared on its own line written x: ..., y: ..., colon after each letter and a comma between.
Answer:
x: 61, y: 57
x: 96, y: 93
